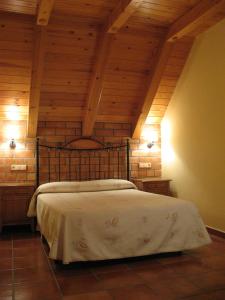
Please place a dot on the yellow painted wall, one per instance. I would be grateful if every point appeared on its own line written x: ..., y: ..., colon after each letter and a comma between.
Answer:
x: 193, y: 129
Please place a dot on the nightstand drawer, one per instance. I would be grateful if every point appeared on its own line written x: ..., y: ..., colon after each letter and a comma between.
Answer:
x: 154, y: 185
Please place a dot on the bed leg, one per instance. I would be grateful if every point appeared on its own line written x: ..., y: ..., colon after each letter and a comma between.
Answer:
x: 33, y: 225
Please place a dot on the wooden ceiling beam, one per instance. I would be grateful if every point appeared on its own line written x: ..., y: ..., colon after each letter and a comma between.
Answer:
x: 116, y: 20
x: 44, y: 12
x: 96, y: 84
x: 121, y: 14
x: 36, y: 77
x: 159, y: 67
x: 195, y: 17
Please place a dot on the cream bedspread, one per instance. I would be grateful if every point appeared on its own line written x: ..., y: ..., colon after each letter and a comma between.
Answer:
x: 117, y: 221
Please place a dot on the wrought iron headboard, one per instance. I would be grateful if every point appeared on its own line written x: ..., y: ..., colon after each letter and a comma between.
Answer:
x: 59, y: 163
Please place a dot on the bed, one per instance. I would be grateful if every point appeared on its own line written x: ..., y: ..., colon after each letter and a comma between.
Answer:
x: 109, y: 218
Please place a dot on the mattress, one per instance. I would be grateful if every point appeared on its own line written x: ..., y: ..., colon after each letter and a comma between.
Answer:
x: 113, y: 220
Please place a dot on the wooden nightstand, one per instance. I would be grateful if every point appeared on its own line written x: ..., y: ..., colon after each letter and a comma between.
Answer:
x: 154, y: 185
x: 14, y: 202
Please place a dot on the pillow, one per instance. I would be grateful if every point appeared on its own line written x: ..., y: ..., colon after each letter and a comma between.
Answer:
x: 78, y: 187
x: 85, y: 186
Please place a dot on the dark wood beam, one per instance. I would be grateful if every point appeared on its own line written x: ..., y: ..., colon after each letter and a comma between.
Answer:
x: 44, y: 12
x: 159, y: 67
x: 120, y: 15
x: 36, y: 77
x: 199, y: 15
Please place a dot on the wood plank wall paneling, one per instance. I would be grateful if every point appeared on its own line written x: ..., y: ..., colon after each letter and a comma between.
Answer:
x: 70, y: 57
x: 68, y: 64
x: 98, y: 9
x: 16, y: 44
x: 161, y: 13
x: 21, y: 6
x: 16, y: 47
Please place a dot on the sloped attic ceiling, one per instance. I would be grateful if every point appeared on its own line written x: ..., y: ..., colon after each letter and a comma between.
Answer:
x: 96, y: 60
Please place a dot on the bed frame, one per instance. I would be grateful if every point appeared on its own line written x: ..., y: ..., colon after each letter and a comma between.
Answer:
x: 82, y: 159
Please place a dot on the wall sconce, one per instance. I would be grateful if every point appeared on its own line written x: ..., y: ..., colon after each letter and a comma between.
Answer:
x: 12, y: 144
x: 150, y: 144
x: 151, y: 138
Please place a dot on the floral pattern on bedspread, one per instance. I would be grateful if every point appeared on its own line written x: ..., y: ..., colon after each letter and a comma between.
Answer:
x: 112, y: 223
x: 115, y: 224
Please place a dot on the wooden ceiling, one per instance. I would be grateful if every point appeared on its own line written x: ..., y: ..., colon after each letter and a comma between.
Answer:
x: 96, y: 60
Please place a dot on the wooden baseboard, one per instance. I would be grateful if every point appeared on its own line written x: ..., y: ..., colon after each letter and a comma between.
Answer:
x: 216, y: 232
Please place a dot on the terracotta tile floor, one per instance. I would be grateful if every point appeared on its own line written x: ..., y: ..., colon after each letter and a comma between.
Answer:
x: 26, y: 273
